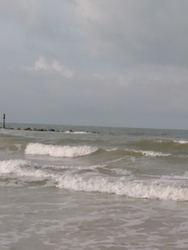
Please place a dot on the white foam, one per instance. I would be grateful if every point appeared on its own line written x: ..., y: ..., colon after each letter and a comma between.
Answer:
x: 73, y: 168
x: 150, y: 153
x: 11, y: 166
x: 17, y: 167
x: 142, y: 152
x: 111, y: 149
x: 181, y: 142
x: 77, y: 182
x: 116, y: 160
x: 59, y: 151
x: 120, y: 186
x: 26, y: 168
x: 175, y: 177
x: 158, y: 189
x: 121, y: 171
x: 77, y: 132
x: 173, y: 141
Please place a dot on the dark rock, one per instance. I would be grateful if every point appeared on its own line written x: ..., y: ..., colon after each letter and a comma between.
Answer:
x: 28, y: 129
x: 52, y: 130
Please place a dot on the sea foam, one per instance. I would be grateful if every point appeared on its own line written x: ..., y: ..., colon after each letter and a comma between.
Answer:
x: 77, y: 132
x: 21, y: 168
x: 147, y: 153
x: 59, y: 151
x: 11, y: 166
x: 120, y: 186
x: 181, y: 142
x: 90, y: 183
x: 150, y: 153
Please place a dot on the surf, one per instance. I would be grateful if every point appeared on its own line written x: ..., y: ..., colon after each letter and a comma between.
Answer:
x: 162, y: 189
x: 59, y: 151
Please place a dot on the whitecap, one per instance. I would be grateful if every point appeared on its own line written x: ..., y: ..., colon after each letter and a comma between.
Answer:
x: 59, y: 151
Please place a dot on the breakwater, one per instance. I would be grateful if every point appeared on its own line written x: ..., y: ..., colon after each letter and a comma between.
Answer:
x: 46, y: 130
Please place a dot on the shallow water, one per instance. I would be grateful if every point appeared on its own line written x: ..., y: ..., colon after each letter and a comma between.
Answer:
x: 47, y: 218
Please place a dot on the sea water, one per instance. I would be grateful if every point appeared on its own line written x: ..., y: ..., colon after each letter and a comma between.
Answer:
x: 93, y: 188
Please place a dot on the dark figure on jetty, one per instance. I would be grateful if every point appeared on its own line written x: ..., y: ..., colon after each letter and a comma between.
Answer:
x: 3, y: 120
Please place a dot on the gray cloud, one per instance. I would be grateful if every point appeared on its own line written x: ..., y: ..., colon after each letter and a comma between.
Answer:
x: 115, y: 62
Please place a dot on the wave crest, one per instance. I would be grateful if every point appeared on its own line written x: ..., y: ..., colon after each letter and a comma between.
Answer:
x: 120, y: 186
x: 168, y: 190
x: 59, y: 151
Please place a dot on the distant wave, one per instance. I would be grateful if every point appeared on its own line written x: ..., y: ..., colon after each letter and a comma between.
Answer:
x: 165, y: 146
x: 78, y: 132
x: 150, y: 153
x: 181, y: 142
x: 14, y: 144
x: 158, y: 142
x: 137, y: 153
x: 59, y: 151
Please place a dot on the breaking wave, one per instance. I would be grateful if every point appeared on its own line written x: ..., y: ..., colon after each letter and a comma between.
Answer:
x: 11, y: 166
x: 150, y: 153
x: 77, y: 132
x: 76, y: 151
x: 147, y: 189
x: 138, y: 153
x: 59, y: 151
x: 120, y: 186
x: 173, y: 147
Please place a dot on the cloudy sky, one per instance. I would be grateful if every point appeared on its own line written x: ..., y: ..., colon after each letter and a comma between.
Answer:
x: 95, y: 62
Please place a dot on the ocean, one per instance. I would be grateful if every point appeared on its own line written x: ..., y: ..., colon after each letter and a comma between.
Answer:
x: 73, y: 187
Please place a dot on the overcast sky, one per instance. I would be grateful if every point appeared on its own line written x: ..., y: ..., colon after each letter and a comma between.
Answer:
x: 95, y: 62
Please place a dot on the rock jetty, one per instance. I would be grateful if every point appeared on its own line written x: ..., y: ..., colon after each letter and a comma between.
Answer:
x: 46, y: 130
